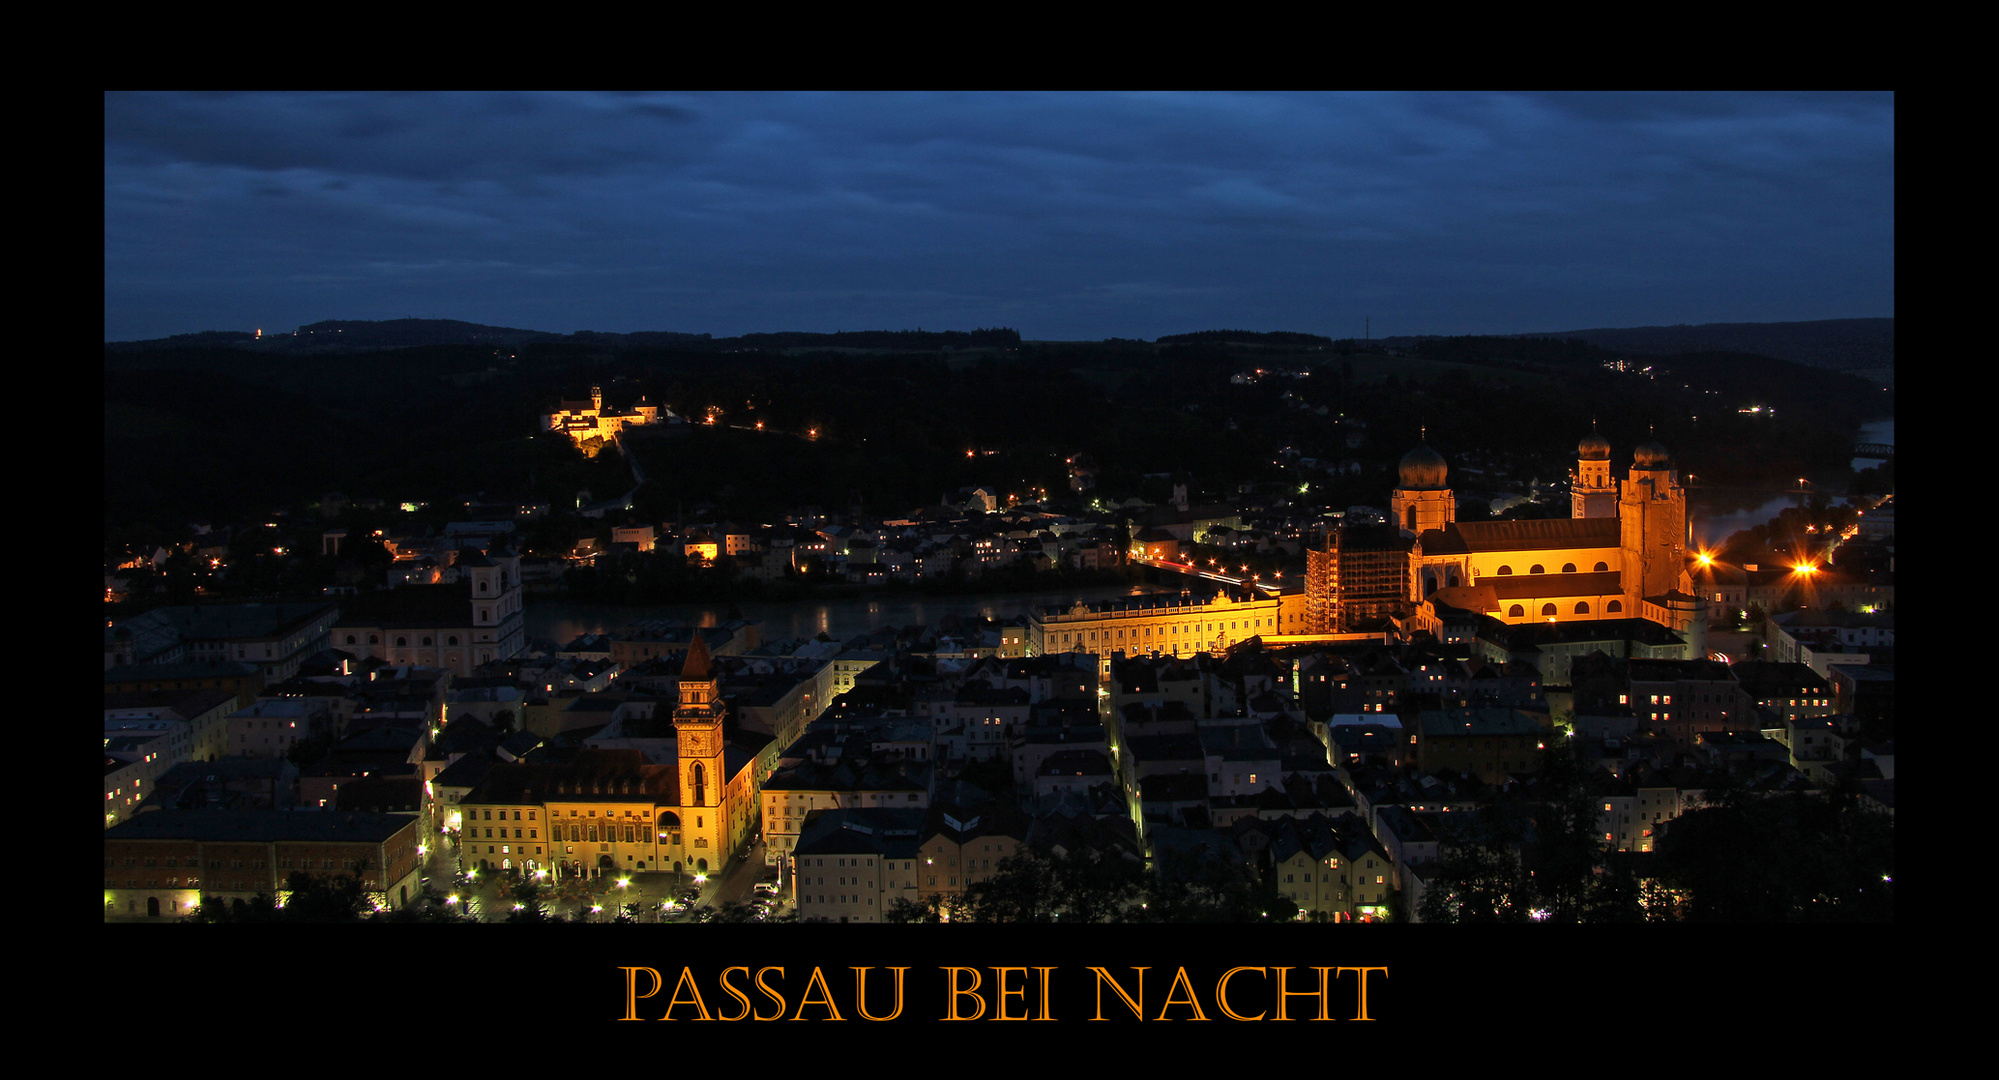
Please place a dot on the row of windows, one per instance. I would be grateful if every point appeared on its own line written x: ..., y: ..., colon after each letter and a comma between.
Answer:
x: 401, y: 642
x: 1582, y: 608
x: 667, y: 817
x: 234, y: 864
x: 1537, y: 568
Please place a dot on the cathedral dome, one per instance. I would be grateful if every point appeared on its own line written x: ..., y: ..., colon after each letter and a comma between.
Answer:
x: 1423, y: 469
x: 1594, y: 447
x: 1649, y: 456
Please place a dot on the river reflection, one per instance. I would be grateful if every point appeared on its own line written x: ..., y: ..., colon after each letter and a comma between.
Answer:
x: 1719, y: 513
x: 562, y: 621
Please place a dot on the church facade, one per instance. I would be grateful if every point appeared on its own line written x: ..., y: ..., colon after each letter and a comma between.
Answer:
x: 1622, y: 554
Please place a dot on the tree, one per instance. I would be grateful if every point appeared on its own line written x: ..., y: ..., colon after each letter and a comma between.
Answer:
x: 1022, y: 890
x: 428, y: 906
x: 528, y: 907
x: 1479, y: 878
x: 1565, y: 851
x: 1784, y: 858
x: 929, y: 909
x: 503, y: 721
x: 309, y: 898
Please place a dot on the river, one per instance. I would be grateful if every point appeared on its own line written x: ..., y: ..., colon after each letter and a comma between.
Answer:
x: 1716, y: 519
x: 562, y: 621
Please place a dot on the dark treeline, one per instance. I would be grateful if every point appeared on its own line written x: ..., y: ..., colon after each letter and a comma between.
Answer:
x: 903, y: 340
x: 1245, y: 337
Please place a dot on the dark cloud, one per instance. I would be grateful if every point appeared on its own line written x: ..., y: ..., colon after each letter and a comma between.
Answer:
x: 1066, y: 215
x: 660, y: 111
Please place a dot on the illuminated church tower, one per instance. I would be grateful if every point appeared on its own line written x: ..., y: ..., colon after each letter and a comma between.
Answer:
x: 1593, y: 493
x: 697, y: 721
x: 1652, y: 525
x: 1423, y: 500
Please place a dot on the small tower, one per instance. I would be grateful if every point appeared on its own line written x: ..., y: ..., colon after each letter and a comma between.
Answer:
x: 1652, y: 525
x: 597, y: 399
x: 697, y: 723
x: 1423, y: 500
x: 497, y: 627
x: 1593, y: 494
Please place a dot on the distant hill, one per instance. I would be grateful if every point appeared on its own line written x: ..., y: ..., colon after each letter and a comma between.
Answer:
x: 1861, y: 346
x: 338, y: 334
x: 1245, y: 337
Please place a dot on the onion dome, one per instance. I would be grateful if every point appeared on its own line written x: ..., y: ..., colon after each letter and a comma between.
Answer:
x: 1423, y: 469
x: 1594, y: 447
x: 1649, y: 456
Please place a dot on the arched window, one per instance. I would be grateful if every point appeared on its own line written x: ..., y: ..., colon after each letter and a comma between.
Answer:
x: 1582, y: 608
x: 402, y: 642
x: 1537, y: 568
x: 1516, y: 611
x: 1429, y: 585
x: 1409, y: 515
x: 1505, y: 571
x: 1452, y: 579
x: 1601, y: 568
x: 1547, y: 609
x: 426, y: 640
x: 350, y: 639
x: 1568, y: 568
x: 374, y: 639
x: 699, y: 781
x: 1614, y: 606
x: 482, y: 586
x: 452, y: 640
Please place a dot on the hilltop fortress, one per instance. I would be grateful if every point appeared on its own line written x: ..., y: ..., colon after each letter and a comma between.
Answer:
x: 592, y: 427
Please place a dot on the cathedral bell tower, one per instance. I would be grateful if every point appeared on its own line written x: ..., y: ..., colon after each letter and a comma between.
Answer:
x: 1652, y: 520
x: 1593, y: 494
x: 697, y: 723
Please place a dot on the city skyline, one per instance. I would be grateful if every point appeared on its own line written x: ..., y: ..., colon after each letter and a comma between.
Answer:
x: 1069, y: 217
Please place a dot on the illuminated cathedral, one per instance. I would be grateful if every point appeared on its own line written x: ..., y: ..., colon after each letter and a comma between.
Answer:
x: 1621, y: 554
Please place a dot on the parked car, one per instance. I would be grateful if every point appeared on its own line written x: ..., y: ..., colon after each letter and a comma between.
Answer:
x: 764, y: 888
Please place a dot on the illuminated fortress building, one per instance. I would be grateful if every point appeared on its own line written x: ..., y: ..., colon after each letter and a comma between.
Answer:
x: 592, y: 427
x: 1620, y: 555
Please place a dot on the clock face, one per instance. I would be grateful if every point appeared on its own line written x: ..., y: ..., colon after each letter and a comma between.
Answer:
x: 699, y: 743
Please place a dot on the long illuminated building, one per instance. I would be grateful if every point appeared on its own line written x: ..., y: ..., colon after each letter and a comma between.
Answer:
x: 1179, y: 624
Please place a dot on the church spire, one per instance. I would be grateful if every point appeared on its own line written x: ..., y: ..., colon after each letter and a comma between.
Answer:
x: 698, y: 664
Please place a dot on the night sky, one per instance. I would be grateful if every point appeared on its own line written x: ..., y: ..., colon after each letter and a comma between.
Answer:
x: 1064, y: 216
